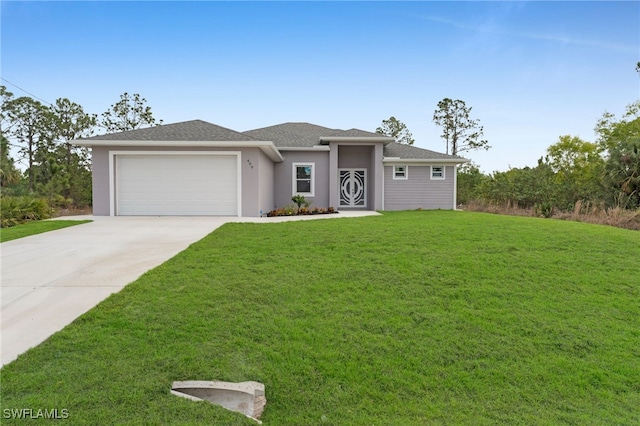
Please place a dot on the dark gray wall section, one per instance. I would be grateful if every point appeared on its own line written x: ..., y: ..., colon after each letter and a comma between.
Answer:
x: 354, y: 157
x: 419, y: 191
x: 360, y: 157
x: 283, y: 172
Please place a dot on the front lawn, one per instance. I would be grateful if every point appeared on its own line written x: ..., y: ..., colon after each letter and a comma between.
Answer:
x: 37, y: 227
x: 409, y: 318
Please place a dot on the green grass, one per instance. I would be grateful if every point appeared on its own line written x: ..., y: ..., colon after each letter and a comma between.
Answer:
x: 409, y: 318
x: 38, y: 227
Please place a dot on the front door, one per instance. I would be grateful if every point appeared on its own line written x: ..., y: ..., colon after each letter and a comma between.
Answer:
x: 353, y: 185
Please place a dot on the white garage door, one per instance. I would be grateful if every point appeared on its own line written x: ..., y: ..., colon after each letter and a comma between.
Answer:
x: 176, y: 185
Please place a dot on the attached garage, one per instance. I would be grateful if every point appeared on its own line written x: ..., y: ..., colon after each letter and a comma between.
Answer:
x: 192, y: 168
x: 176, y: 184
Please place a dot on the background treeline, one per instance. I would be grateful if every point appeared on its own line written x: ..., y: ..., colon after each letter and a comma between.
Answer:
x: 575, y: 176
x: 54, y: 174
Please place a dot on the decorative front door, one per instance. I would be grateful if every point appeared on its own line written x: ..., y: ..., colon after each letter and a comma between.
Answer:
x: 353, y: 185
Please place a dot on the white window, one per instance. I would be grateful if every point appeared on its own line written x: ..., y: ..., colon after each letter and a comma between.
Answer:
x: 304, y: 179
x: 437, y: 172
x: 400, y: 172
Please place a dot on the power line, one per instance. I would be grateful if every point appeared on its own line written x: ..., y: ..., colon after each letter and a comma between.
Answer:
x: 28, y: 93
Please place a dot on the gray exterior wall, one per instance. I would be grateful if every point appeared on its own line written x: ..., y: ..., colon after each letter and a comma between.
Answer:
x: 257, y: 186
x: 265, y: 183
x: 100, y: 185
x: 419, y: 190
x: 283, y: 177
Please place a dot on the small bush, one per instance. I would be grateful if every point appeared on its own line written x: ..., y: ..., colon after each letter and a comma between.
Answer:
x: 544, y: 209
x: 300, y: 201
x: 18, y: 210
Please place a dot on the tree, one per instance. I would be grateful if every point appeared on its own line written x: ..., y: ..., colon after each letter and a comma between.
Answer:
x: 5, y: 98
x: 129, y: 113
x: 9, y: 175
x: 622, y: 172
x: 524, y: 188
x: 459, y: 130
x: 71, y: 122
x: 611, y: 130
x: 620, y: 139
x: 32, y: 127
x: 396, y: 129
x: 578, y: 167
x: 470, y: 180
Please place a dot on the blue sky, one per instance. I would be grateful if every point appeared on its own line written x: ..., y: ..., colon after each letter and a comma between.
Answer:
x: 531, y: 71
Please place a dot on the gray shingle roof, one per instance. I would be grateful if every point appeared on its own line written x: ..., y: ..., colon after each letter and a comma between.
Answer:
x: 194, y: 130
x: 403, y: 151
x: 357, y: 133
x: 294, y: 135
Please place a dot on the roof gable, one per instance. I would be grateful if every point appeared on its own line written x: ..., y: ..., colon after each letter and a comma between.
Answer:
x: 194, y: 130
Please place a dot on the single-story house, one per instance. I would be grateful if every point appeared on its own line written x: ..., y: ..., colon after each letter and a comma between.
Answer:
x: 199, y: 168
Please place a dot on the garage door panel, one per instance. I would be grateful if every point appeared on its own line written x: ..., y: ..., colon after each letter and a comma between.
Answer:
x: 177, y: 185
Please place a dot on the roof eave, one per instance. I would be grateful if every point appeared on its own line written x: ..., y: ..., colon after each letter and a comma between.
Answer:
x: 304, y: 148
x: 355, y: 139
x: 267, y: 147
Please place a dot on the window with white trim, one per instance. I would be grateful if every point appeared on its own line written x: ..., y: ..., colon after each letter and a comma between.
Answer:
x: 304, y: 179
x: 400, y: 172
x: 437, y: 172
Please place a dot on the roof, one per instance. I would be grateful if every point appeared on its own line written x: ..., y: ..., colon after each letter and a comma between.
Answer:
x: 285, y: 135
x: 194, y: 133
x: 305, y: 135
x: 194, y: 130
x: 410, y: 152
x: 292, y: 134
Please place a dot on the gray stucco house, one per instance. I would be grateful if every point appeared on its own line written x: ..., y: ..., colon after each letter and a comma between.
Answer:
x: 199, y: 168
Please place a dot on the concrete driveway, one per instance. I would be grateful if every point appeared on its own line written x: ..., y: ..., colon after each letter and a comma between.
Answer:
x: 50, y: 279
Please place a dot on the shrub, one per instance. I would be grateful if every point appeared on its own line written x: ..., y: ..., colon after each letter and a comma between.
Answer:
x: 300, y: 201
x: 544, y: 209
x: 17, y: 210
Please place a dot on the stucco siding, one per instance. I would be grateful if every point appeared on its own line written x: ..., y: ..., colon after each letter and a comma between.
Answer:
x: 267, y: 202
x: 354, y: 157
x: 419, y: 190
x: 283, y: 177
x: 100, y: 185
